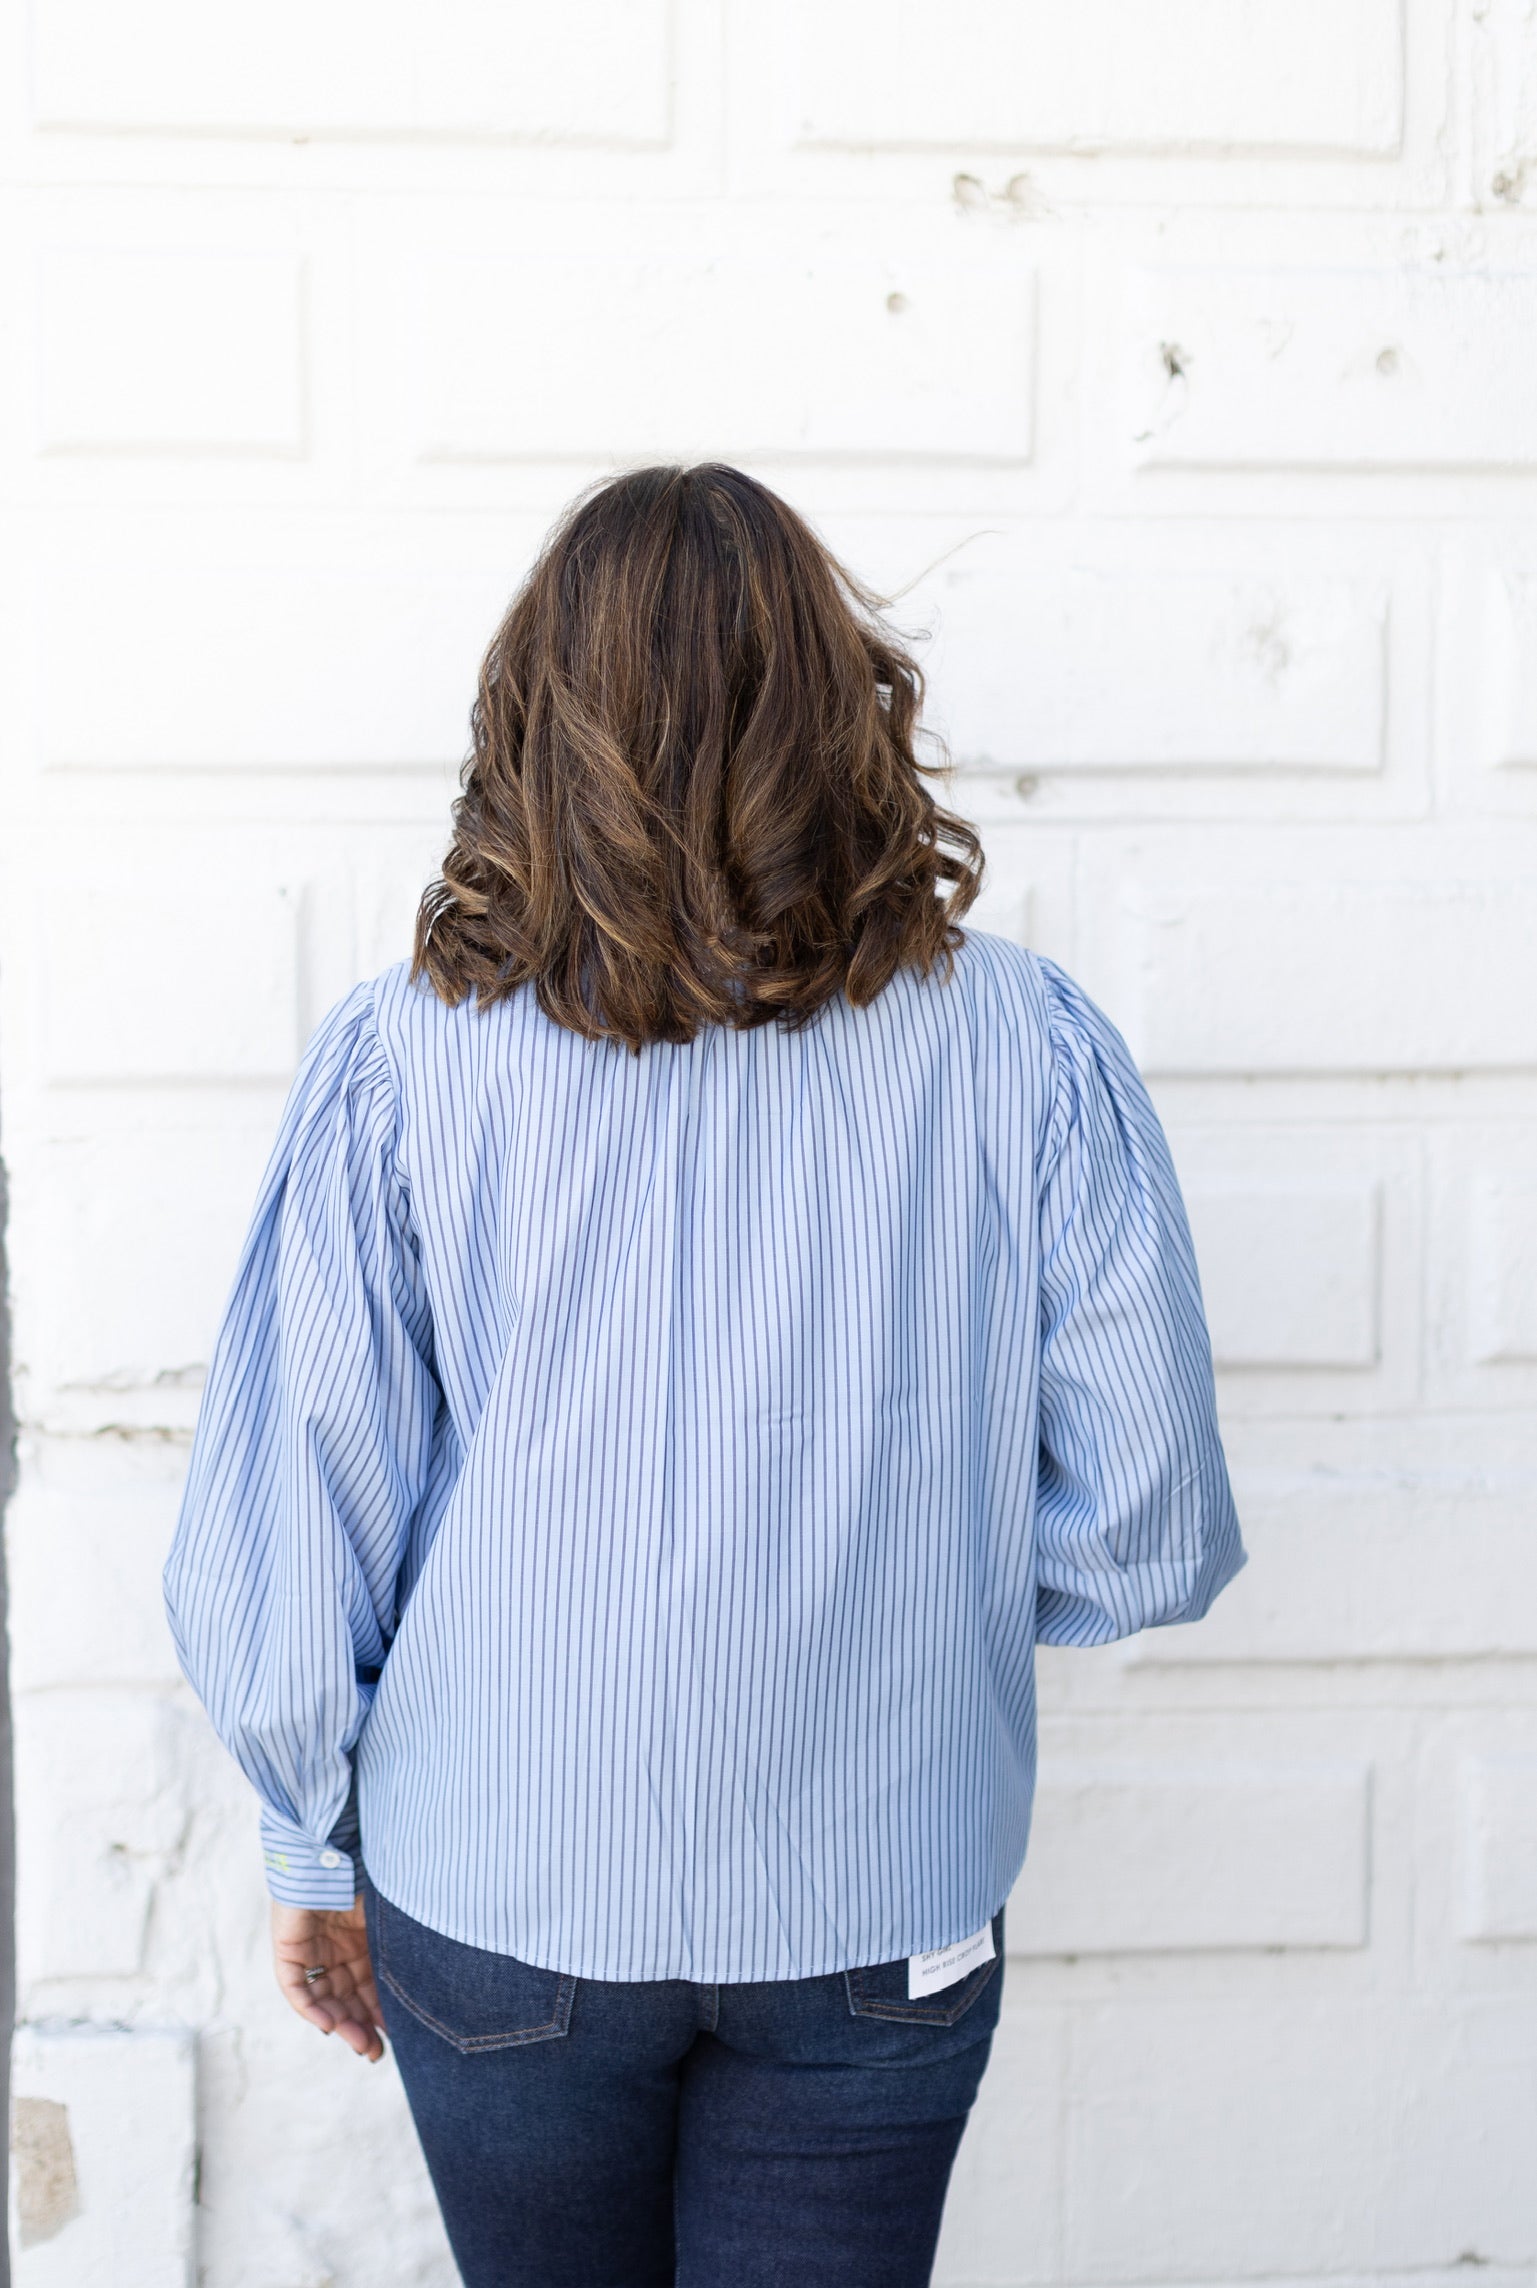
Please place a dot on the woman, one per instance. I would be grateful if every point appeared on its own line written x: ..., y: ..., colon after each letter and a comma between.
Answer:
x: 703, y: 1325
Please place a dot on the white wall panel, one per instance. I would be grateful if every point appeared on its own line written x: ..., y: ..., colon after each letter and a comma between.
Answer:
x: 1510, y: 662
x: 1502, y: 1265
x: 145, y: 1215
x: 1141, y: 1856
x: 1106, y: 75
x: 801, y: 352
x: 1331, y: 368
x: 1308, y: 1241
x: 1330, y: 976
x: 1366, y: 2115
x: 252, y: 665
x: 138, y: 978
x: 588, y: 71
x: 1290, y: 1273
x: 1504, y: 71
x: 1114, y: 669
x: 1488, y: 709
x: 141, y: 349
x: 1482, y: 1259
x: 97, y: 1530
x: 1499, y: 1847
x: 107, y: 2141
x: 112, y: 1766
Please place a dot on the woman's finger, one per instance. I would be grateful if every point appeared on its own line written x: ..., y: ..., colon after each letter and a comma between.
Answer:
x: 357, y: 2028
x: 363, y: 2039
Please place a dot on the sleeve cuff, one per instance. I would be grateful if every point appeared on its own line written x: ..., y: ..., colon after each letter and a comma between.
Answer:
x: 1224, y: 1560
x: 304, y: 1873
x: 1089, y: 1609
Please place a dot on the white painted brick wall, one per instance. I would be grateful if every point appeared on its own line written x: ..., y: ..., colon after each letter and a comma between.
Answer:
x: 1174, y: 358
x: 1152, y: 75
x: 105, y: 2149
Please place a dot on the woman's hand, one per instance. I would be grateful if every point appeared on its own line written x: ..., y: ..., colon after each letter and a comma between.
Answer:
x: 343, y: 2001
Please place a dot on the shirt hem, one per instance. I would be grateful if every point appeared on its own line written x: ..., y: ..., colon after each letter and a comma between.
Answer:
x: 928, y: 1938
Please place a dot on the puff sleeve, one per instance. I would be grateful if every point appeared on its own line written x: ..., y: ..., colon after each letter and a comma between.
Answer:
x: 313, y: 1448
x: 1135, y: 1525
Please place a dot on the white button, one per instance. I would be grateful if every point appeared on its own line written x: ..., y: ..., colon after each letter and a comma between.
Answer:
x: 330, y: 1858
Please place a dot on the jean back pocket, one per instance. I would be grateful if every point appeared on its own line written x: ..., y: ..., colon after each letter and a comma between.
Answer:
x: 474, y: 2000
x: 881, y: 1990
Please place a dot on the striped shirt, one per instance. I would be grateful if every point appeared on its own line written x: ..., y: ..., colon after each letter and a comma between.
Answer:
x: 630, y: 1489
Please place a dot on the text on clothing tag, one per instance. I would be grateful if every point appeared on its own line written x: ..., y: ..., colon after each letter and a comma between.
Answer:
x: 943, y: 1965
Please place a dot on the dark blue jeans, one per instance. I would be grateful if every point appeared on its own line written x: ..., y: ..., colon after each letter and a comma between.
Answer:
x: 587, y: 2133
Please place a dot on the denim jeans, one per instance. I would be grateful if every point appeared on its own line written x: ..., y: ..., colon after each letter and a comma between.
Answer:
x: 587, y: 2133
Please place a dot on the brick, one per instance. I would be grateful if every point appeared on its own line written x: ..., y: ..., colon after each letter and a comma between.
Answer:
x: 1357, y: 2135
x: 1503, y: 37
x: 104, y: 2137
x: 1086, y: 669
x: 1150, y: 1857
x: 1481, y: 1349
x: 108, y: 1767
x: 1309, y: 1239
x: 340, y: 666
x: 1505, y: 687
x: 86, y: 1534
x: 1502, y: 1269
x: 1498, y: 1820
x: 1387, y: 368
x: 274, y: 2090
x: 141, y: 349
x: 110, y: 1017
x: 135, y: 1228
x: 1290, y: 1274
x: 593, y: 71
x: 1379, y: 976
x: 1139, y: 75
x: 791, y: 354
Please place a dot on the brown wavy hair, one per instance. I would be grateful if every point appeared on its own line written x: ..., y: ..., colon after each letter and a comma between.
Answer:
x: 693, y: 796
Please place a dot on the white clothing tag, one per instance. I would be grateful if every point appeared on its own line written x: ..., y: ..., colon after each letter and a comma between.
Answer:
x: 943, y: 1965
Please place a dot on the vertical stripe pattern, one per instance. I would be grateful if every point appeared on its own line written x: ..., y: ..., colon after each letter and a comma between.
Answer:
x: 631, y: 1489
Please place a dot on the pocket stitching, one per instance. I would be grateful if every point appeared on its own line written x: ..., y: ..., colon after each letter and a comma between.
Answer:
x: 552, y: 2028
x: 927, y: 2011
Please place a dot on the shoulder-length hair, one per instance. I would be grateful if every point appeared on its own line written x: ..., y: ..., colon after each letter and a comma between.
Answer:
x: 693, y: 796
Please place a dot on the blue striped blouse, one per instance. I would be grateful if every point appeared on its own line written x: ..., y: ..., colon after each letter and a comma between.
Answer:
x: 633, y: 1488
